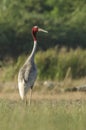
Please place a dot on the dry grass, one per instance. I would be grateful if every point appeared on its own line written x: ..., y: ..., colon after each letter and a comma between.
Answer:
x: 69, y: 96
x: 41, y: 91
x: 50, y: 109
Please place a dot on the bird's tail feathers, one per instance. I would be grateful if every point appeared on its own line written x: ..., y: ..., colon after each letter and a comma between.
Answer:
x: 21, y: 89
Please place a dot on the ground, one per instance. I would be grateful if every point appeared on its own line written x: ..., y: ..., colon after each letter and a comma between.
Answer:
x: 48, y: 111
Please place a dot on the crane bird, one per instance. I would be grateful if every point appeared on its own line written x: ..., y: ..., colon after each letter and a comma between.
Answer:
x: 28, y: 72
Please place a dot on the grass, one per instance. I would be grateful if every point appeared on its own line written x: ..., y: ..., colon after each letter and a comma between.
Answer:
x: 52, y: 64
x: 43, y: 115
x: 52, y: 108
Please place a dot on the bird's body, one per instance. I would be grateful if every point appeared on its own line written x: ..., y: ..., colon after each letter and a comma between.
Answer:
x: 27, y: 75
x: 28, y: 72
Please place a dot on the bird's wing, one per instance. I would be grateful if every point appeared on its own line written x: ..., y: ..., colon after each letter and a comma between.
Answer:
x: 30, y: 74
x: 27, y: 71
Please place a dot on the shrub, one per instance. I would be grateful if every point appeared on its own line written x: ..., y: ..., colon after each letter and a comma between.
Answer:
x: 53, y: 64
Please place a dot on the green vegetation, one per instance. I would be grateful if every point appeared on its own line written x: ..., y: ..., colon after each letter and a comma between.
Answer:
x: 64, y: 19
x: 43, y: 115
x: 62, y: 57
x: 53, y: 64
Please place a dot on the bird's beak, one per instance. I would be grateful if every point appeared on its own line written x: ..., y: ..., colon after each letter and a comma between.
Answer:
x: 42, y: 30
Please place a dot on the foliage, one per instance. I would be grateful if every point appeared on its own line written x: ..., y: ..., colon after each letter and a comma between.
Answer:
x: 64, y: 19
x: 54, y: 64
x: 46, y: 64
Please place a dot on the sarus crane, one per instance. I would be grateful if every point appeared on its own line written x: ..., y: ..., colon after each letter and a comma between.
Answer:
x: 28, y: 72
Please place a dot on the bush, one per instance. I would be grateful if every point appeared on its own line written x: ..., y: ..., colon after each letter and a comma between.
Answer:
x: 53, y: 64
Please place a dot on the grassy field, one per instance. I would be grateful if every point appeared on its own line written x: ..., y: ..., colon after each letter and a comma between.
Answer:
x: 63, y: 111
x: 51, y: 109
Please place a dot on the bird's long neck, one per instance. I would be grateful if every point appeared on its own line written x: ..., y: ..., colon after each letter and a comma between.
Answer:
x: 33, y: 50
x: 31, y: 57
x: 34, y: 46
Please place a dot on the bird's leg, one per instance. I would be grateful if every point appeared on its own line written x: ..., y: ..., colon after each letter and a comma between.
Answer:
x: 30, y: 96
x: 26, y: 100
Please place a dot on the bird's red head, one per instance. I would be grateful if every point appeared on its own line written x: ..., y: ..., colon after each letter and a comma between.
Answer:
x: 34, y: 32
x: 35, y: 29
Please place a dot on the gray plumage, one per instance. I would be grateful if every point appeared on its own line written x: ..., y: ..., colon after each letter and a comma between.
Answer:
x: 28, y: 72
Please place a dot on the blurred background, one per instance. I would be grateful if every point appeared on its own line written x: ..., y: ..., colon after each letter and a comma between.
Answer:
x: 60, y: 59
x: 60, y: 54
